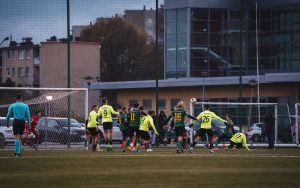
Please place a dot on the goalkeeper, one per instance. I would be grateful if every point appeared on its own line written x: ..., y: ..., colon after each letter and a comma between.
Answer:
x: 238, y: 141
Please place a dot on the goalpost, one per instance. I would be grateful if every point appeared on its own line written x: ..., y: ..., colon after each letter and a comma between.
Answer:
x: 246, y: 118
x: 64, y: 111
x: 297, y: 122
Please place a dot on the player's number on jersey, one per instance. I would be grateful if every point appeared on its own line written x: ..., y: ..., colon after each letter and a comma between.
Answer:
x: 132, y: 116
x: 205, y: 119
x: 178, y: 117
x: 105, y: 113
x: 238, y: 135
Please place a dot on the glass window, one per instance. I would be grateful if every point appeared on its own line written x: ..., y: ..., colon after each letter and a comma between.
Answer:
x: 26, y: 71
x: 8, y: 54
x: 28, y: 53
x: 21, y: 71
x: 217, y: 14
x: 52, y: 123
x: 162, y: 103
x: 199, y: 39
x: 147, y: 103
x: 199, y: 14
x: 199, y: 26
x: 8, y: 72
x: 21, y: 54
x: 13, y: 72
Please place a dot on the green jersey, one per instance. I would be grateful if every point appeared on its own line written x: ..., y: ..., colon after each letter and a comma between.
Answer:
x: 122, y: 120
x: 229, y: 130
x: 179, y: 115
x: 135, y: 118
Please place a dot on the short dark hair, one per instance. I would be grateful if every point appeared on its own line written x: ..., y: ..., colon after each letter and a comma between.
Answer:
x: 124, y: 108
x: 206, y: 106
x: 37, y: 112
x: 19, y: 97
x: 151, y: 112
x: 104, y: 100
x: 141, y: 108
x: 94, y: 106
x: 136, y: 105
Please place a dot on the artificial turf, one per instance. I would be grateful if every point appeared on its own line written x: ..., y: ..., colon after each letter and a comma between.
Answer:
x: 162, y: 168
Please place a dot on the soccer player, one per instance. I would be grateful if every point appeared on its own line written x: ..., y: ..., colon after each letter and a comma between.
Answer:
x: 92, y: 126
x: 228, y: 132
x: 179, y: 115
x: 134, y: 123
x: 205, y: 118
x: 123, y: 123
x: 20, y: 112
x: 146, y: 123
x: 237, y: 141
x: 34, y: 121
x: 106, y: 111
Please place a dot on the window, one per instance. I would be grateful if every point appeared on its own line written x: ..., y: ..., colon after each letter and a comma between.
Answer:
x: 21, y: 71
x: 162, y: 103
x: 132, y: 102
x: 13, y: 72
x: 26, y: 71
x: 8, y: 72
x: 174, y: 102
x: 8, y: 54
x: 21, y: 54
x: 28, y: 54
x: 147, y: 103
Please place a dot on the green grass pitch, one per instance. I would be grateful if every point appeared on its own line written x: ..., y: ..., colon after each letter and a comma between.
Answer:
x: 161, y: 168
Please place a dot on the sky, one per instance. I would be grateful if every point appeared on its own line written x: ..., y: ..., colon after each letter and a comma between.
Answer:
x: 41, y: 19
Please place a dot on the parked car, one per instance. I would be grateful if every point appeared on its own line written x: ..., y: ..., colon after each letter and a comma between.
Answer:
x: 54, y: 129
x: 255, y: 132
x: 116, y: 134
x: 6, y: 134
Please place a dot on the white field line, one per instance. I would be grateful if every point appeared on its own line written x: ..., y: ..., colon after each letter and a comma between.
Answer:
x: 139, y: 155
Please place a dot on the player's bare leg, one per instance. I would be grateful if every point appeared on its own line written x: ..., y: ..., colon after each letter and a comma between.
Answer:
x: 110, y: 139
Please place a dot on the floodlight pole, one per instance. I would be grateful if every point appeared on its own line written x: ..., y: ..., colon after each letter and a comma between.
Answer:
x: 257, y: 62
x: 157, y: 64
x: 69, y: 66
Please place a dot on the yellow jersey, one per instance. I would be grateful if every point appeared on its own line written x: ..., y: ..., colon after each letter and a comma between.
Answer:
x: 106, y: 112
x: 206, y: 117
x: 92, y: 123
x: 240, y: 138
x: 146, y: 123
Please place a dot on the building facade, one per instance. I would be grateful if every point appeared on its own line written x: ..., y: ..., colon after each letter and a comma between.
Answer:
x: 218, y: 38
x: 21, y: 64
x: 84, y: 63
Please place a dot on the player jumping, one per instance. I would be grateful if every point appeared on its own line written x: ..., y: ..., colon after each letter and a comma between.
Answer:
x: 178, y: 115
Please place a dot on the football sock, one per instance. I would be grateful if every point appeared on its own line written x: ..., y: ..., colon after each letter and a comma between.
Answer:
x: 18, y: 147
x: 127, y: 142
x: 216, y: 143
x: 193, y: 144
x: 94, y: 147
x: 146, y: 145
x: 179, y: 144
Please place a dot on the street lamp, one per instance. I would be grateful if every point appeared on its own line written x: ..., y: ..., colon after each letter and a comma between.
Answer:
x: 5, y: 39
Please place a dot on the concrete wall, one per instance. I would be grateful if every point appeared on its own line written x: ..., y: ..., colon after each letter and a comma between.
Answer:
x: 211, y: 92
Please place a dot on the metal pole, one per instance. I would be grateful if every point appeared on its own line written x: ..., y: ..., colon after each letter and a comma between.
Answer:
x: 297, y: 124
x: 192, y: 128
x: 276, y: 124
x: 257, y: 62
x: 69, y: 66
x: 203, y: 89
x: 157, y: 63
x: 46, y: 122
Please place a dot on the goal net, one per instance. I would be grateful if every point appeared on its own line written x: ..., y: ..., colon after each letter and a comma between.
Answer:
x: 248, y: 117
x: 63, y: 112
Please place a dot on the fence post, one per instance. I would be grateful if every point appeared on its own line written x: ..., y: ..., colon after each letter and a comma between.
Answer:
x: 276, y: 124
x: 297, y: 124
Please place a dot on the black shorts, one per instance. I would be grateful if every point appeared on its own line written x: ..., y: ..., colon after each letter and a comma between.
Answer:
x: 144, y: 135
x: 107, y: 125
x: 125, y: 133
x: 93, y: 131
x: 180, y: 131
x: 18, y: 126
x: 238, y: 145
x: 201, y: 132
x: 133, y: 130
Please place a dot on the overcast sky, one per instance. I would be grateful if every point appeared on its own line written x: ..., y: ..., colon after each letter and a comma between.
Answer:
x: 41, y: 19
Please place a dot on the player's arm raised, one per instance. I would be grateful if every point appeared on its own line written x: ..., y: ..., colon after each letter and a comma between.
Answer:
x: 113, y: 111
